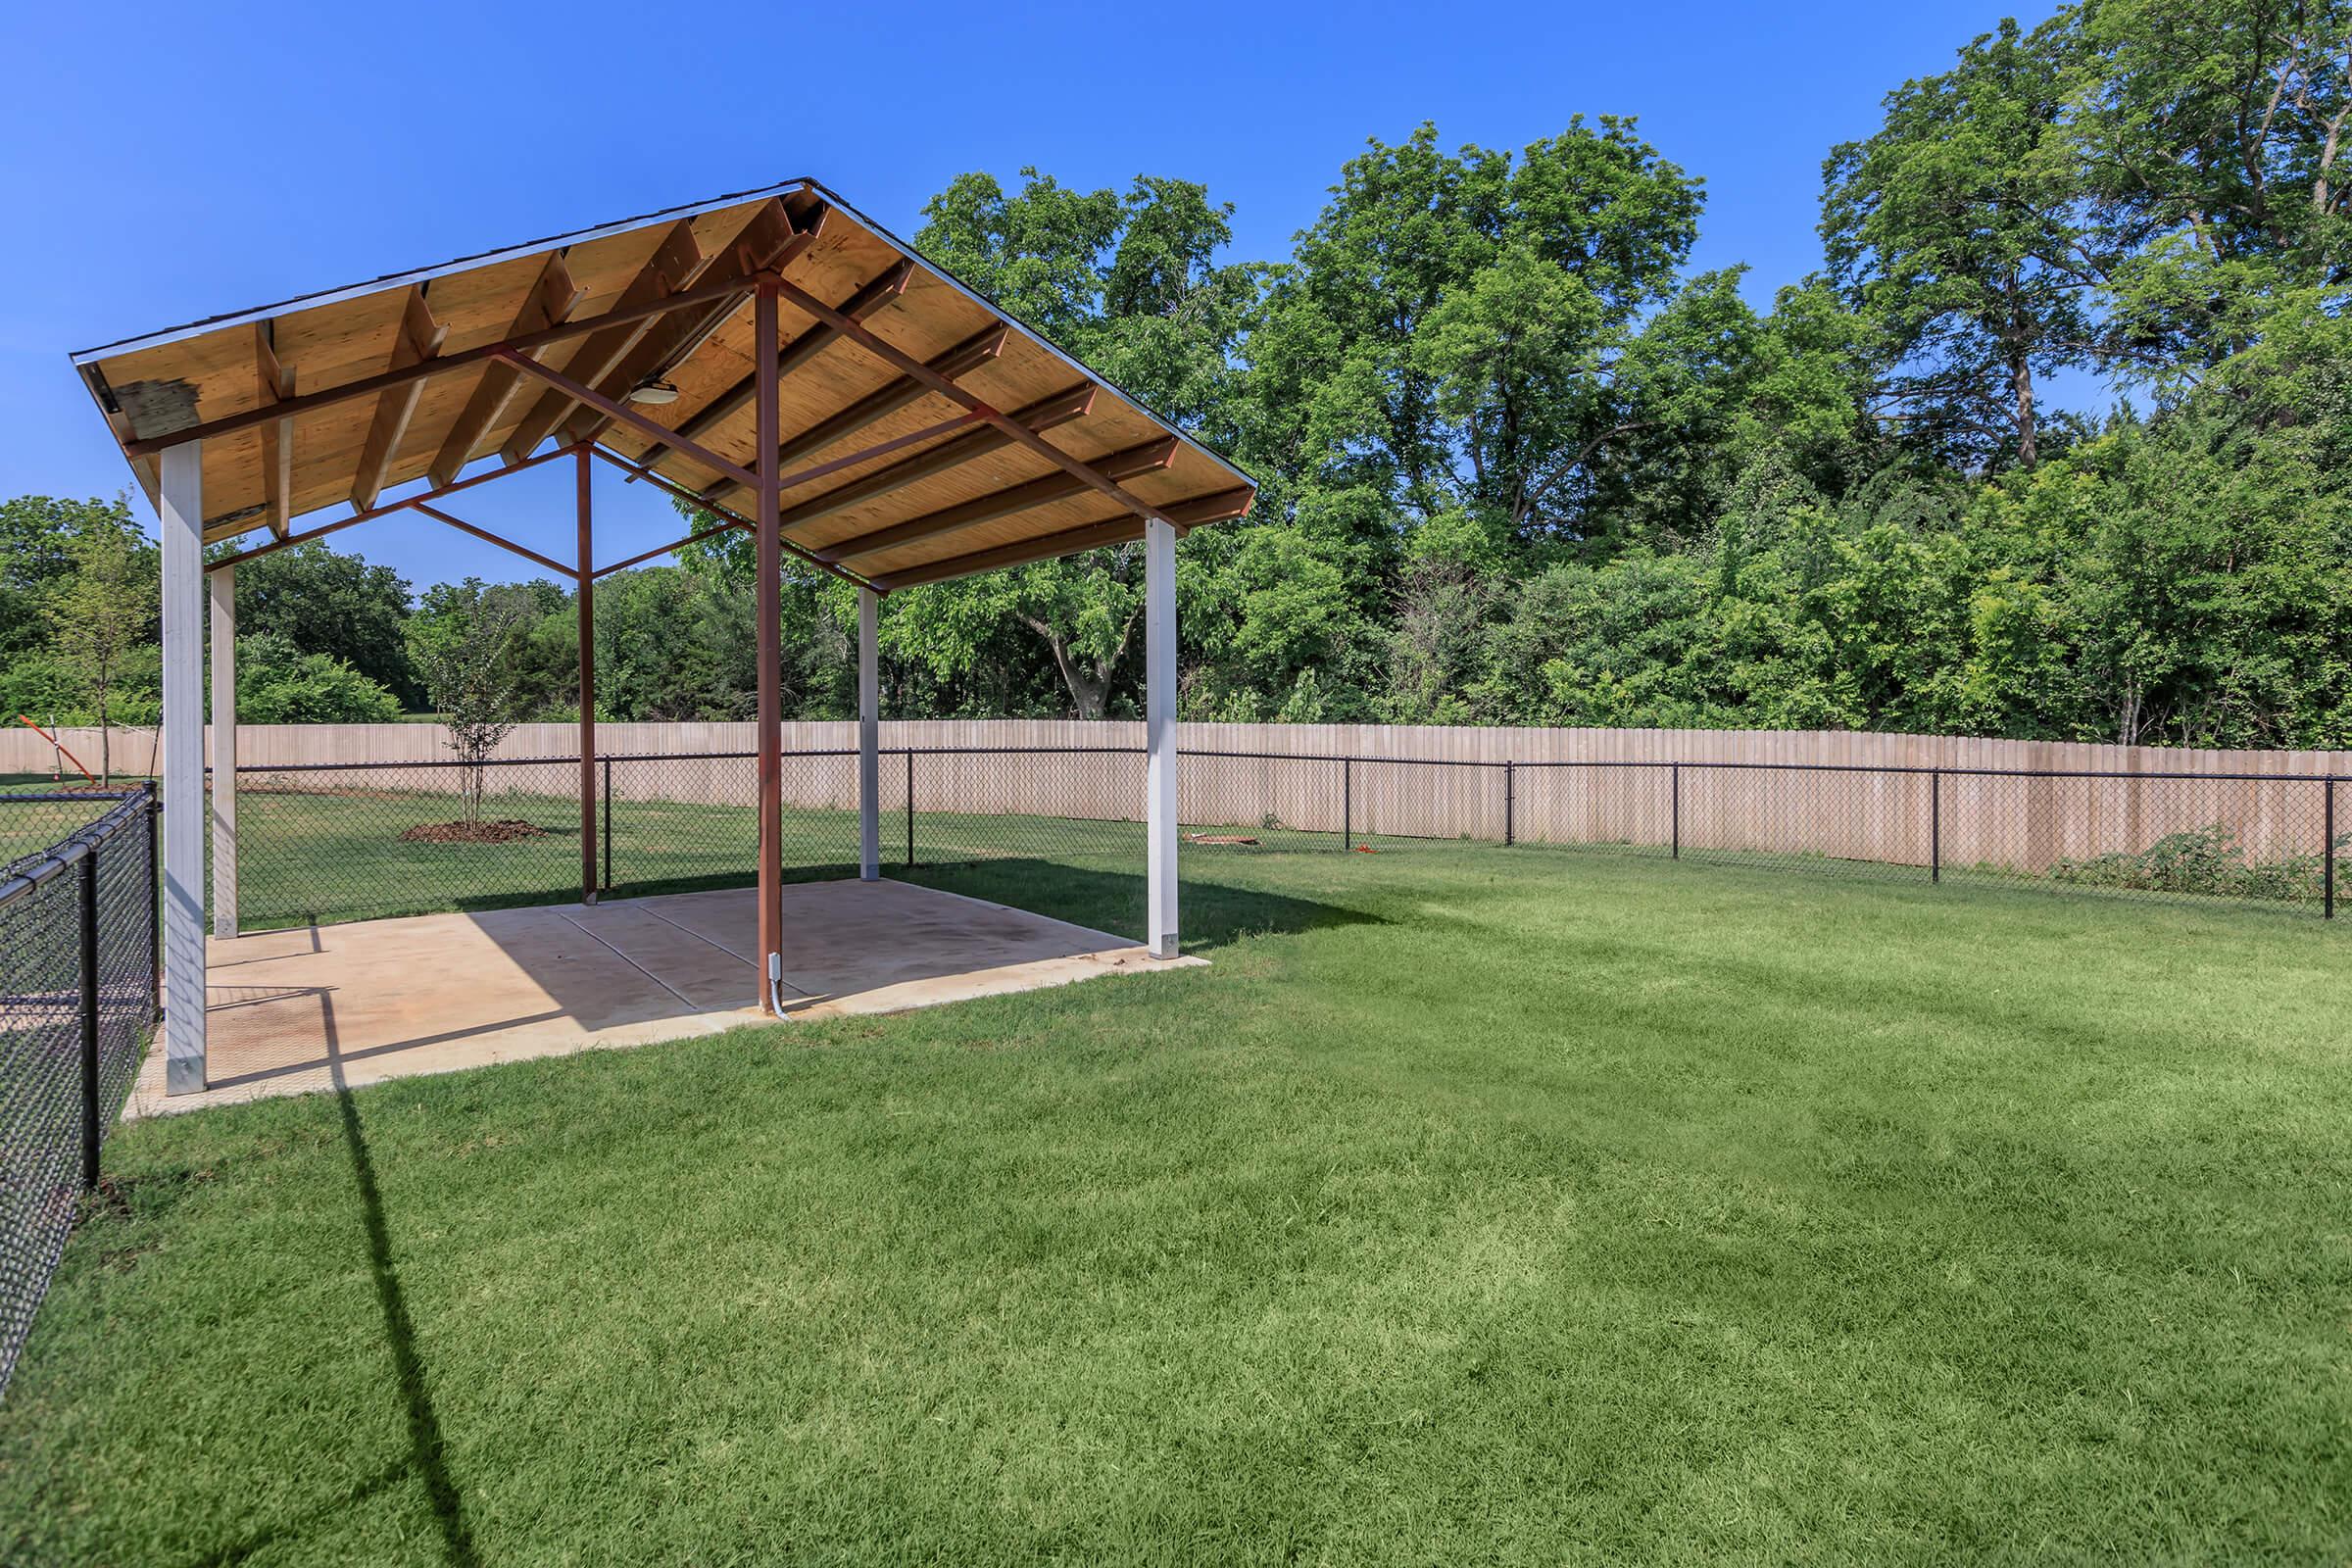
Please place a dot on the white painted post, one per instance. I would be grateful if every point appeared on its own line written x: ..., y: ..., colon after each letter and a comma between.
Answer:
x: 1160, y: 723
x: 225, y: 751
x: 870, y: 739
x: 180, y: 514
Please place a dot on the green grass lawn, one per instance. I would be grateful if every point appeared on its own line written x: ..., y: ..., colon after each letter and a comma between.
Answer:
x: 1475, y: 1205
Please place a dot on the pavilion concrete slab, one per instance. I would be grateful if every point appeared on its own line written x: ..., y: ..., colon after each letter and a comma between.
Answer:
x: 323, y: 1007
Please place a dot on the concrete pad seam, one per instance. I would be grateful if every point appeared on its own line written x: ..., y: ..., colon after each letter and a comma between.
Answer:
x: 720, y: 946
x: 626, y: 958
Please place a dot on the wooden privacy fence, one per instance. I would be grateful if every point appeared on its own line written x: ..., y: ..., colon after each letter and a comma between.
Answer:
x: 2023, y: 807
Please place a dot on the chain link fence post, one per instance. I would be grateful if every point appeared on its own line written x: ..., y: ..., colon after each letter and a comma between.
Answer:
x: 607, y: 845
x: 155, y: 909
x: 1346, y: 801
x: 88, y: 894
x: 1510, y: 803
x: 909, y: 808
x: 1935, y: 824
x: 2328, y: 812
x: 1674, y: 773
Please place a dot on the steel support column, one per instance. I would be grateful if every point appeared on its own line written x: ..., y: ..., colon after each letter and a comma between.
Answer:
x: 225, y: 751
x: 585, y: 599
x: 768, y: 586
x: 869, y: 738
x: 181, y: 518
x: 1160, y: 722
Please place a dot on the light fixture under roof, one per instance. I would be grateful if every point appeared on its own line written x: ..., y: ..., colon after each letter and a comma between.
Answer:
x: 653, y: 390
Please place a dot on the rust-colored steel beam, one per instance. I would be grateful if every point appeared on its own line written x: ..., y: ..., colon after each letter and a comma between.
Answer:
x: 677, y: 265
x: 1184, y: 514
x: 791, y: 356
x: 1069, y: 541
x: 584, y: 601
x: 1072, y: 403
x: 734, y: 519
x: 962, y: 359
x: 626, y: 416
x: 801, y: 476
x: 487, y: 537
x: 908, y: 365
x: 767, y: 589
x: 767, y: 243
x: 1149, y: 458
x: 288, y: 540
x: 444, y: 364
x: 697, y: 537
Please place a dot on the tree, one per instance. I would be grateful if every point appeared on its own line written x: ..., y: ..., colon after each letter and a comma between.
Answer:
x: 1449, y: 331
x: 1960, y: 230
x: 463, y: 655
x: 321, y: 601
x: 103, y: 608
x: 278, y: 683
x: 1131, y: 284
x: 37, y: 556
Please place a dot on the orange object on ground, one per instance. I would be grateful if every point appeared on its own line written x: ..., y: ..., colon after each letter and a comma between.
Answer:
x: 61, y: 747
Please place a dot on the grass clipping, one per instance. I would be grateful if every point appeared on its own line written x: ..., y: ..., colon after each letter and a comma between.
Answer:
x: 504, y: 831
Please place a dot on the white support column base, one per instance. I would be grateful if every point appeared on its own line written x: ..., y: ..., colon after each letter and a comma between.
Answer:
x: 223, y: 585
x: 869, y: 738
x: 1159, y: 724
x: 182, y: 519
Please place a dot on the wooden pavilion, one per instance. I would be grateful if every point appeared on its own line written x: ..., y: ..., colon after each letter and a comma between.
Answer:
x: 772, y: 357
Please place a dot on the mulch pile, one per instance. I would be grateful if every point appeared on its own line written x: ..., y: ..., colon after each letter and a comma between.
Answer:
x: 506, y: 831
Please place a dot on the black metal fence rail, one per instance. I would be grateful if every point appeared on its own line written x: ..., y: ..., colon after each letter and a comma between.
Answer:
x: 333, y: 841
x: 78, y: 1003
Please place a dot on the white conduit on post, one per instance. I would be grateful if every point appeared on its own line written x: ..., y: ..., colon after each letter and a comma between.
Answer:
x: 180, y: 514
x: 225, y: 751
x: 869, y: 734
x: 1159, y: 709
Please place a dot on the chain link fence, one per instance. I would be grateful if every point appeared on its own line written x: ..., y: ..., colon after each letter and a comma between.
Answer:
x: 331, y: 842
x: 77, y: 1007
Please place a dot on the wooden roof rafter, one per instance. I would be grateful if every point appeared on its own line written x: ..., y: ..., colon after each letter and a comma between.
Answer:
x: 273, y: 385
x: 675, y: 265
x: 416, y: 339
x: 552, y: 296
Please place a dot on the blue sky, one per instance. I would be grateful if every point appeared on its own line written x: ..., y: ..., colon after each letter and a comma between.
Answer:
x: 171, y: 162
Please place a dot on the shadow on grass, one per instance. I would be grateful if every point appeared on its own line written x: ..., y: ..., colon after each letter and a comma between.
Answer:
x: 425, y: 1426
x: 1210, y: 914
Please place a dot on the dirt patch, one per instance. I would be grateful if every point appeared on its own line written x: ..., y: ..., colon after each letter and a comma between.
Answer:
x: 504, y: 831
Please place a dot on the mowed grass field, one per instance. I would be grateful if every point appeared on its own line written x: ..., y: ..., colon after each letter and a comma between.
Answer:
x: 1473, y: 1206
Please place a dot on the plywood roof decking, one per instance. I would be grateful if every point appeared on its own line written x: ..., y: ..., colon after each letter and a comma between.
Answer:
x: 966, y: 497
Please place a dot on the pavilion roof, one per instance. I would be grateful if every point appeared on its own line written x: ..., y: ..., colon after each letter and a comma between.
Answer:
x: 925, y: 433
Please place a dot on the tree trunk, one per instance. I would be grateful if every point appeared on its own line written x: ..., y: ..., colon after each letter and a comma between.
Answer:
x: 2021, y: 383
x: 1089, y: 687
